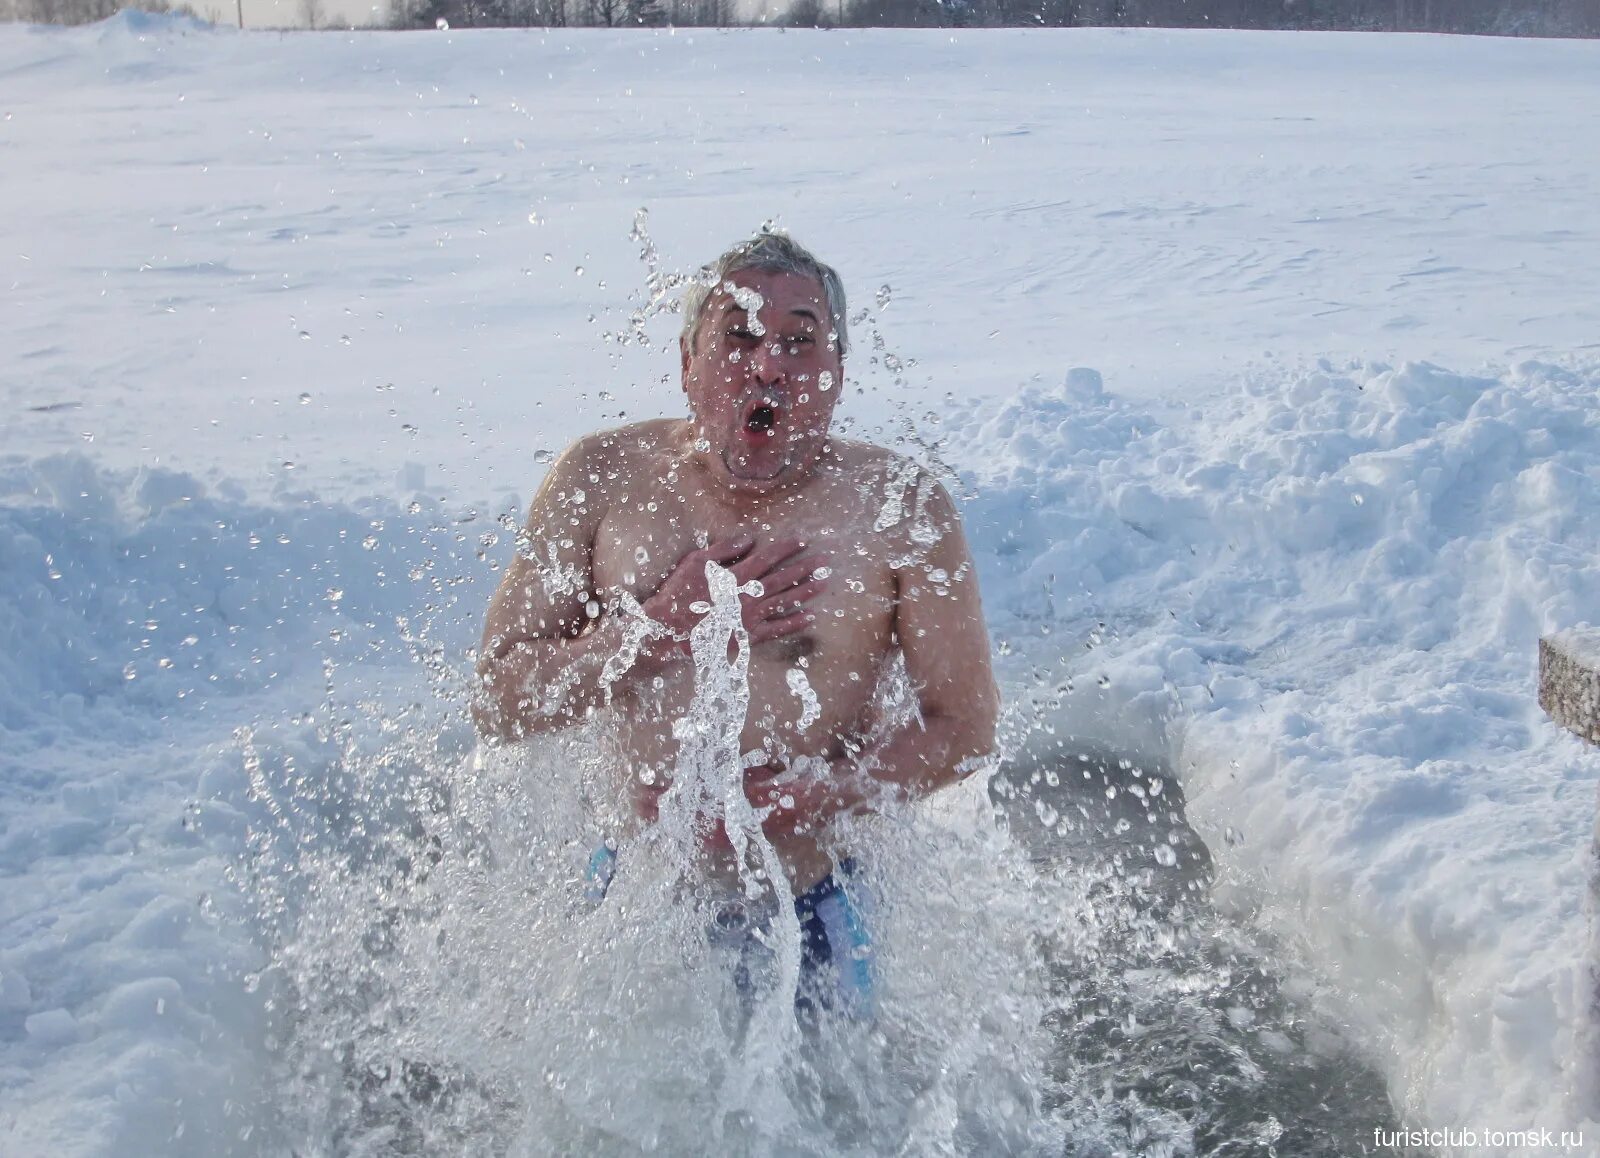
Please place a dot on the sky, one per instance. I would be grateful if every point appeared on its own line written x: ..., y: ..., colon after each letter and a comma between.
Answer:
x: 291, y: 13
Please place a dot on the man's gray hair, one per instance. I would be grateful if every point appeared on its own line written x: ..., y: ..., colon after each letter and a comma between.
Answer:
x: 767, y: 253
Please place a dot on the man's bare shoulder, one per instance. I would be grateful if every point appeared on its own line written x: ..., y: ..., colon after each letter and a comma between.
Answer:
x: 618, y: 451
x: 907, y: 503
x: 867, y: 462
x: 884, y: 473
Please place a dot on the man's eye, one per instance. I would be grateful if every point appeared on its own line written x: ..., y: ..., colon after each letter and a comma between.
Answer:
x: 740, y: 334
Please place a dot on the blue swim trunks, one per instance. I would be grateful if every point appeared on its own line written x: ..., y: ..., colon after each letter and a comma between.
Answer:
x: 836, y: 956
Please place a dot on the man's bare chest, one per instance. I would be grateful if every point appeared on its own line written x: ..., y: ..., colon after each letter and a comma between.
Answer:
x: 638, y: 544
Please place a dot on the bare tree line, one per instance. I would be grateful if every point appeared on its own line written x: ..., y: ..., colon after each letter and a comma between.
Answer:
x: 82, y: 11
x: 1498, y: 17
x: 1501, y: 17
x: 562, y: 13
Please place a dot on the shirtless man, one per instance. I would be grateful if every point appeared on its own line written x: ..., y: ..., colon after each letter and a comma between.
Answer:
x: 859, y: 554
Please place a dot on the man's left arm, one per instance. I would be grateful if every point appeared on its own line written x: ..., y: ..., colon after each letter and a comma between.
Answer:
x: 939, y: 624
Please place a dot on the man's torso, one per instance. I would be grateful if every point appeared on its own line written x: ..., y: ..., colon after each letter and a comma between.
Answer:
x: 812, y: 693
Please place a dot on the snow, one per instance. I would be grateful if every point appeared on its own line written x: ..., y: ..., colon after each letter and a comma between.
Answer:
x: 293, y: 320
x: 1331, y: 590
x: 1582, y: 643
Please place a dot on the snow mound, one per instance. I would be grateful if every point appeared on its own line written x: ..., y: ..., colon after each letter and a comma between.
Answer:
x: 1331, y: 589
x: 150, y: 616
x: 137, y: 24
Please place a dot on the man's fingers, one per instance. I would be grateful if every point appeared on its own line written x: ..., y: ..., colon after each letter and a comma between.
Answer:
x: 793, y: 573
x: 765, y: 557
x: 725, y: 551
x: 780, y: 626
x: 788, y: 602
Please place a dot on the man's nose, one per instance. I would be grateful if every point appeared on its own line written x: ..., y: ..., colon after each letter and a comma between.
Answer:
x: 766, y: 364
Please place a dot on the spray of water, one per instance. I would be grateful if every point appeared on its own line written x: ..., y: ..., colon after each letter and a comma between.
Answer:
x: 442, y: 984
x: 445, y: 978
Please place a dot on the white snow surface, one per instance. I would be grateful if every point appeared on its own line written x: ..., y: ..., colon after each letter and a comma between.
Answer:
x: 290, y: 319
x: 1581, y: 643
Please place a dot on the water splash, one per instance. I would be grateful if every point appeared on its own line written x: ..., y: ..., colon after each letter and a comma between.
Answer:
x: 800, y: 688
x: 662, y: 288
x: 440, y: 983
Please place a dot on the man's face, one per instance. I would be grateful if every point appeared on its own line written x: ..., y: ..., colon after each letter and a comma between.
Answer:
x: 763, y: 374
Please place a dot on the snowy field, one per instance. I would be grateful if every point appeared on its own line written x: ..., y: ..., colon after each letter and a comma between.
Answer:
x: 293, y: 321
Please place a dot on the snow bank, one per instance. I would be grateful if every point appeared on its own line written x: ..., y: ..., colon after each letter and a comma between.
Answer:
x: 1332, y: 588
x: 147, y: 618
x: 138, y: 24
x: 1323, y: 594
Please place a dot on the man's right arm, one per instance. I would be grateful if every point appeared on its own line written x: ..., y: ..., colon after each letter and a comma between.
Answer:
x: 545, y: 648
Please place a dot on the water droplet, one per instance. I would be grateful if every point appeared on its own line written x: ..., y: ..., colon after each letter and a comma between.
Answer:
x: 370, y: 543
x: 884, y: 295
x: 305, y: 399
x: 305, y: 336
x: 442, y: 24
x: 543, y: 457
x: 825, y: 381
x: 578, y: 269
x: 413, y: 507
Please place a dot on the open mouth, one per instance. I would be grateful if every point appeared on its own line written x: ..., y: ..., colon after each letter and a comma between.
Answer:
x: 762, y: 419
